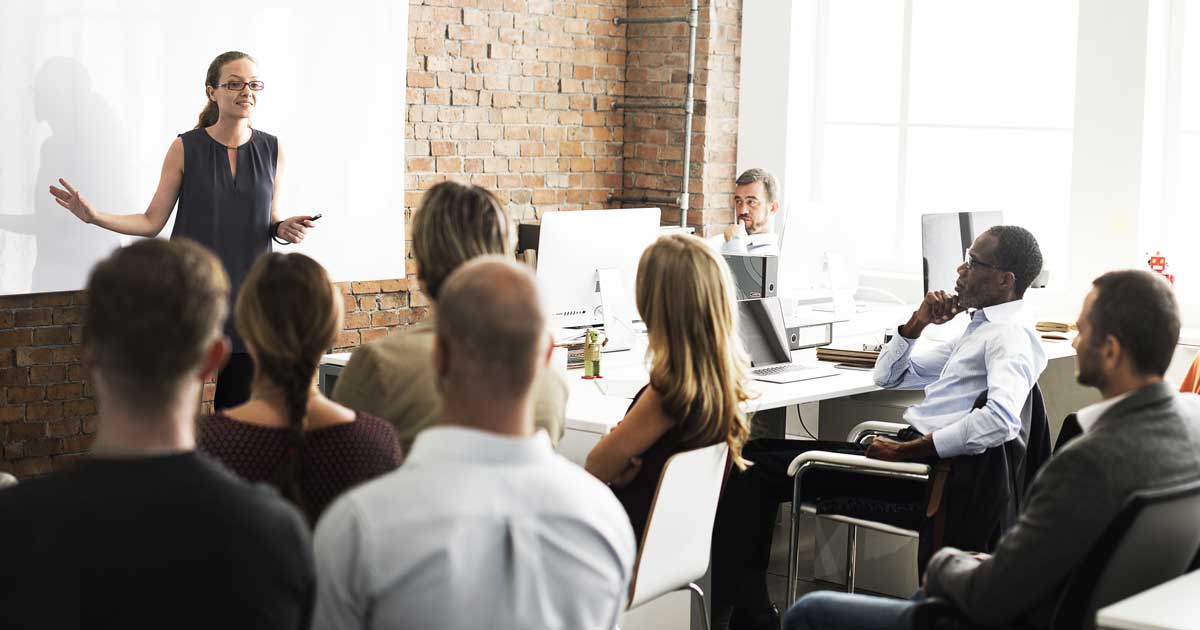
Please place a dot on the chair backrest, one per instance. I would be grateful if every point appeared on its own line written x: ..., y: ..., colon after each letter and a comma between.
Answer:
x: 1153, y: 539
x: 678, y: 538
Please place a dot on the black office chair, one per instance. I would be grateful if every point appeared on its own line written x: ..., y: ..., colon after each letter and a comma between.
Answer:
x: 1153, y: 539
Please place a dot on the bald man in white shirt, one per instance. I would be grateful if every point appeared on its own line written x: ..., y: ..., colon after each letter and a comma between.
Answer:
x: 484, y: 526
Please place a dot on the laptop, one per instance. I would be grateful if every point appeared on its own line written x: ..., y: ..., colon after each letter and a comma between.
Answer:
x: 760, y: 325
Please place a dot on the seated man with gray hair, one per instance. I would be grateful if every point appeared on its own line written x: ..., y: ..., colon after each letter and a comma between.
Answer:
x: 484, y: 526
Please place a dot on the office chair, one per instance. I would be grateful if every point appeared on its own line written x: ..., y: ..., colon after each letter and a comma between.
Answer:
x: 678, y: 539
x: 1153, y: 539
x: 1015, y: 463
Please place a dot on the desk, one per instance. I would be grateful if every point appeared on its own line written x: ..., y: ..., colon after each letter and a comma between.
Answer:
x: 1170, y: 606
x: 591, y: 414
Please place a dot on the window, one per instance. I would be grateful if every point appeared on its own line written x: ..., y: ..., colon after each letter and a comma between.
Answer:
x: 920, y: 106
x: 1169, y: 214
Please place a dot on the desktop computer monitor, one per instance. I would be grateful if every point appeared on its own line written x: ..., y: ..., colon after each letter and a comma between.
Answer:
x: 945, y: 238
x: 574, y: 245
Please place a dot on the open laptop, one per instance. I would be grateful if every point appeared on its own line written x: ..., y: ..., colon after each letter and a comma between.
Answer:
x: 760, y: 325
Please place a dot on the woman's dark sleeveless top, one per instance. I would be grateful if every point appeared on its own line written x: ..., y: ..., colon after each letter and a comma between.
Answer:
x: 638, y: 496
x: 230, y: 216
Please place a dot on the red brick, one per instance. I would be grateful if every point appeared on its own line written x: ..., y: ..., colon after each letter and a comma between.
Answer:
x: 6, y: 319
x: 14, y: 377
x: 16, y: 301
x: 393, y: 286
x: 69, y: 354
x: 34, y: 317
x: 6, y: 358
x: 52, y: 299
x: 25, y: 394
x: 43, y: 411
x: 78, y: 407
x: 22, y: 431
x: 34, y: 356
x: 78, y: 443
x: 43, y: 374
x: 51, y: 336
x: 373, y: 334
x: 356, y: 320
x: 63, y: 428
x: 90, y: 423
x: 64, y: 391
x: 12, y: 413
x: 47, y: 446
x: 15, y: 338
x: 347, y: 339
x: 365, y: 287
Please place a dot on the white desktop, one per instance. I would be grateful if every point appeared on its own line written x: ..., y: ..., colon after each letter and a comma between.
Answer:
x: 574, y: 247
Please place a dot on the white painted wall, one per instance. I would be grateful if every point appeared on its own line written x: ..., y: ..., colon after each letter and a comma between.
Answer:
x: 96, y: 92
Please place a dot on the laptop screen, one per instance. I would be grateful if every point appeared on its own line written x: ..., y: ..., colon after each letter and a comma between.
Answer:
x: 760, y: 325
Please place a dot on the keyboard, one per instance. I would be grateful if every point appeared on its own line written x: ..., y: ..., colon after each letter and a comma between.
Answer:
x: 780, y: 369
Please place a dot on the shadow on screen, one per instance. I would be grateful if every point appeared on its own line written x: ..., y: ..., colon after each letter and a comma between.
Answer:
x: 86, y: 148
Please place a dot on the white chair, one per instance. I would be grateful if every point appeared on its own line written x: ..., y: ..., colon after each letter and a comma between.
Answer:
x: 678, y: 539
x: 858, y: 464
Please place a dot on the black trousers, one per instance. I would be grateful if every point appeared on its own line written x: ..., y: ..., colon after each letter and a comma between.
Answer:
x: 233, y: 382
x: 750, y: 502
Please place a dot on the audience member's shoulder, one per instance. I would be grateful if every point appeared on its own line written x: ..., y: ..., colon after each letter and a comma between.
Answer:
x: 34, y: 490
x: 258, y: 501
x: 378, y: 435
x: 393, y: 347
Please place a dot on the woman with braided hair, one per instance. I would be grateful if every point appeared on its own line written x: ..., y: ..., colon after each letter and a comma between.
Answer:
x: 288, y: 433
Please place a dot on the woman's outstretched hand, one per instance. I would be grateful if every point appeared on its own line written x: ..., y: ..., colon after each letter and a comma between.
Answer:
x: 73, y: 201
x: 293, y: 229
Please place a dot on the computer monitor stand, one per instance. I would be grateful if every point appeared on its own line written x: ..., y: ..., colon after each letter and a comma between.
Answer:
x: 617, y: 328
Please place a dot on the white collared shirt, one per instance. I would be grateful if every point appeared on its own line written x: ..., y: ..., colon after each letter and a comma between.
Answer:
x: 996, y: 354
x: 475, y: 530
x: 1088, y: 416
x: 765, y: 244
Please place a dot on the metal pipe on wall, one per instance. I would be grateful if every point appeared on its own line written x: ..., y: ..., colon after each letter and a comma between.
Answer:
x: 693, y: 21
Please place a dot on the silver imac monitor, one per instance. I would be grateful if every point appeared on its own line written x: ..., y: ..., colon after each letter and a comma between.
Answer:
x: 945, y: 238
x: 574, y: 245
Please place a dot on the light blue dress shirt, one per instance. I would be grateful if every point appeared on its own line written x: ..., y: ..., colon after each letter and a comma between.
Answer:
x: 475, y: 530
x: 996, y: 353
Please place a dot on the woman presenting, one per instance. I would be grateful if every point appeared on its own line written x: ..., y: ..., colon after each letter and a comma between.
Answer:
x: 226, y: 177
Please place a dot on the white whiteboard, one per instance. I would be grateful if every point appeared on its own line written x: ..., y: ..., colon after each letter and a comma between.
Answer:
x: 95, y: 91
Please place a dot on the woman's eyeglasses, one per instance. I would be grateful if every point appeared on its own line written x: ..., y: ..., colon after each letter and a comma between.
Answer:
x: 237, y: 86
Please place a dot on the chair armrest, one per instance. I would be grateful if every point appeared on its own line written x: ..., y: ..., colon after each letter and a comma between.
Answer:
x: 853, y: 463
x: 873, y: 428
x: 939, y: 613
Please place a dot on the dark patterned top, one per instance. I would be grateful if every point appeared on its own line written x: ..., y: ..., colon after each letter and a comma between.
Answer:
x: 336, y: 458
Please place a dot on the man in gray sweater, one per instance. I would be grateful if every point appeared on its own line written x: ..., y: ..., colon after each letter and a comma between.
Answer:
x: 1142, y: 435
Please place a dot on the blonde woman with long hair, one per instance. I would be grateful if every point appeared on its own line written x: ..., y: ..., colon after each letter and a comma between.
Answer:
x: 698, y: 373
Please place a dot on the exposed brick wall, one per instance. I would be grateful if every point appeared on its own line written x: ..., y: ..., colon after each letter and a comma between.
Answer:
x: 514, y: 95
x: 656, y: 73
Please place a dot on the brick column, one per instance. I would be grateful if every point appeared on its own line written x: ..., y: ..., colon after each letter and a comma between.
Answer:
x: 656, y: 72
